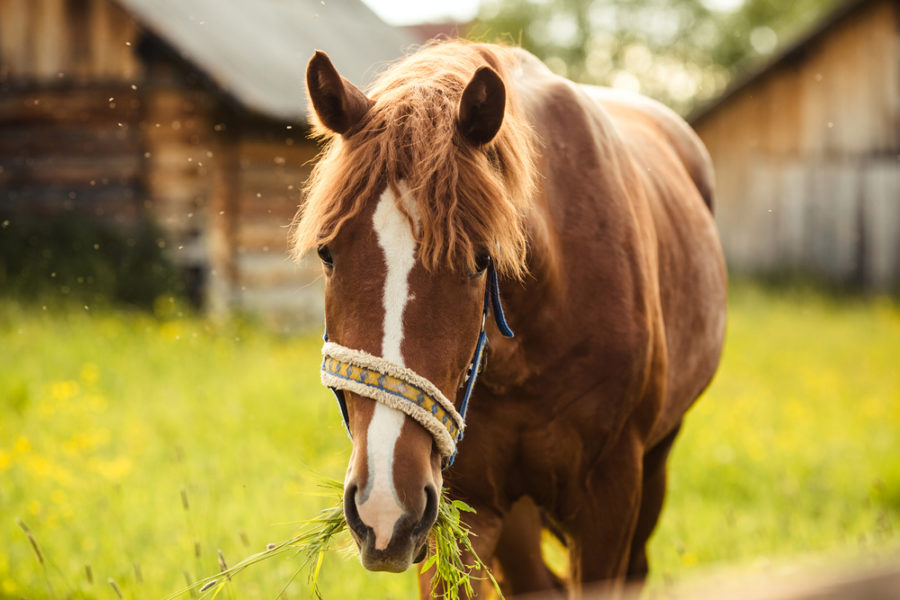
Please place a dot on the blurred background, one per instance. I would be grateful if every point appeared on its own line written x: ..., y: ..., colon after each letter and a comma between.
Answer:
x: 159, y: 399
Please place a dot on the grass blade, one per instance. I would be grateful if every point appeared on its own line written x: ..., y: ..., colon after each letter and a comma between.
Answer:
x: 319, y: 535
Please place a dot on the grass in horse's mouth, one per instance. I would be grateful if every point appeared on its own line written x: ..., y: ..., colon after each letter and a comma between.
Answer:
x: 328, y: 531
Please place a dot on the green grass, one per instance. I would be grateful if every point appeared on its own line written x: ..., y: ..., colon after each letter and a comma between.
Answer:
x: 107, y: 418
x: 129, y: 442
x: 795, y: 449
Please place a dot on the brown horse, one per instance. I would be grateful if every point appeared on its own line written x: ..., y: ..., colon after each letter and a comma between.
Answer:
x: 470, y: 162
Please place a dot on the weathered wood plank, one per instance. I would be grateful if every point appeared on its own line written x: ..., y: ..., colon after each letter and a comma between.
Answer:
x: 67, y: 105
x: 791, y: 207
x: 267, y: 235
x: 881, y: 219
x: 69, y: 169
x: 119, y: 203
x: 833, y: 217
x: 14, y: 45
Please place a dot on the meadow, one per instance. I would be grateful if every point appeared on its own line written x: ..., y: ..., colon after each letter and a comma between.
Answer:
x: 136, y: 446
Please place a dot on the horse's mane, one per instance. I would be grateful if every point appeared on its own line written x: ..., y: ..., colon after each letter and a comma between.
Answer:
x: 469, y: 199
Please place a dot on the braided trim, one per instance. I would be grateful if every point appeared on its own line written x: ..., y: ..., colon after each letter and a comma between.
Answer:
x: 395, y: 386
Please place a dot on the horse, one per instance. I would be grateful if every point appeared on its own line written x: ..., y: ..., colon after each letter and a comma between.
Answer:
x: 472, y: 194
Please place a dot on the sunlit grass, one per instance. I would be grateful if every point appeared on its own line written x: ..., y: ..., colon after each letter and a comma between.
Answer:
x: 134, y: 448
x: 137, y: 448
x: 456, y: 569
x: 795, y: 450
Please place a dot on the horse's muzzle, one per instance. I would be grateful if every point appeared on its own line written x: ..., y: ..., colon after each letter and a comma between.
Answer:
x: 408, y: 542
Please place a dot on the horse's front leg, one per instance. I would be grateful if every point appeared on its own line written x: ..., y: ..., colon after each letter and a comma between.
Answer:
x: 520, y: 556
x: 486, y: 526
x: 603, y: 523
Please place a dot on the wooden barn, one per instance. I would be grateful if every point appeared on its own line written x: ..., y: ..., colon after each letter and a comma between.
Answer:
x: 188, y: 112
x: 807, y: 154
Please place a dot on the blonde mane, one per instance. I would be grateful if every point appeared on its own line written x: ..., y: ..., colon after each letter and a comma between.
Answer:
x: 469, y: 199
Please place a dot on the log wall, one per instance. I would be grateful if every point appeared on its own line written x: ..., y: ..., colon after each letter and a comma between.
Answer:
x: 272, y: 169
x: 68, y: 150
x: 97, y: 118
x: 83, y: 41
x: 807, y: 157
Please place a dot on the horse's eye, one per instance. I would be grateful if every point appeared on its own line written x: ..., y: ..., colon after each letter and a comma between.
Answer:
x: 482, y: 261
x: 325, y: 255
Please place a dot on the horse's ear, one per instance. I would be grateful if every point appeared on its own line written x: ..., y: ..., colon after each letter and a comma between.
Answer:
x: 481, y: 107
x: 338, y: 103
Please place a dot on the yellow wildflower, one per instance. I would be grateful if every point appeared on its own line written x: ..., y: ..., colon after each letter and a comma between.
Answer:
x: 59, y: 497
x: 63, y: 390
x: 39, y: 467
x: 46, y: 409
x: 872, y: 407
x: 22, y: 445
x: 114, y: 470
x: 87, y: 441
x: 797, y: 410
x: 90, y: 373
x: 171, y: 330
x: 98, y: 403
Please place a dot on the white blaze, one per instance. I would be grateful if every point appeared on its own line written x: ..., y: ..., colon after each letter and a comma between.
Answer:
x: 381, y: 508
x: 399, y: 246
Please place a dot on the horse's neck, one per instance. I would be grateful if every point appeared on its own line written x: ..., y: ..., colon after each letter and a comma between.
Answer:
x: 553, y: 308
x: 531, y: 306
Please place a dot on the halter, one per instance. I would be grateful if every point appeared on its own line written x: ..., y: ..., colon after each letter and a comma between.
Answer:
x: 405, y: 390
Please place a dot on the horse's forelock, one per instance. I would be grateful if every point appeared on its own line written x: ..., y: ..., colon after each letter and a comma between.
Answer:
x: 468, y: 198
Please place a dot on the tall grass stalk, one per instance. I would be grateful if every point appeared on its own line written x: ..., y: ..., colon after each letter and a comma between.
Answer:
x: 37, y: 552
x: 321, y: 534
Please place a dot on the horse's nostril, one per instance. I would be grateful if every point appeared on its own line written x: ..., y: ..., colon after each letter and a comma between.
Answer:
x: 351, y: 513
x: 430, y: 514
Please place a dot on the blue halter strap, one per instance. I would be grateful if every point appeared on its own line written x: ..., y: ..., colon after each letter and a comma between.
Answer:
x: 491, y: 304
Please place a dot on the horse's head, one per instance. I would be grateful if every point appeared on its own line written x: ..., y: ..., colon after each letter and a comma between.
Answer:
x: 408, y: 206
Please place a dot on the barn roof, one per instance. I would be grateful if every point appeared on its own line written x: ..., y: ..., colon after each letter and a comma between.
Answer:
x: 787, y: 55
x: 257, y: 50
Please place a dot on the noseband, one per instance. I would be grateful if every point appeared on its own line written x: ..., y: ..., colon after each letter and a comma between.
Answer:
x: 402, y: 388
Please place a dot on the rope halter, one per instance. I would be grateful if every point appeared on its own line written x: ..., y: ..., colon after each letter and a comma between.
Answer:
x: 396, y: 386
